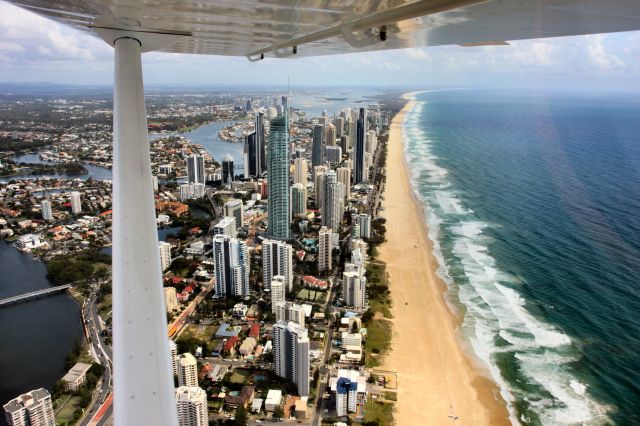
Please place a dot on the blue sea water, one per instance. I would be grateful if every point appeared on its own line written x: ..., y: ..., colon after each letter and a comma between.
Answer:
x: 533, y: 205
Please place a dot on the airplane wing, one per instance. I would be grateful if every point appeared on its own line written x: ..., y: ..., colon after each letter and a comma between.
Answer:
x: 256, y: 28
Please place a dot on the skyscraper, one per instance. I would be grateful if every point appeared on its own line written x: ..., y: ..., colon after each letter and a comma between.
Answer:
x: 76, y: 202
x: 231, y: 263
x: 278, y: 290
x: 277, y: 260
x: 291, y: 354
x: 187, y: 370
x: 344, y: 176
x: 298, y: 200
x: 333, y: 204
x: 173, y: 349
x: 318, y: 185
x: 191, y: 402
x: 33, y: 408
x: 260, y: 145
x: 165, y: 255
x: 324, y: 249
x: 226, y: 226
x: 364, y: 221
x: 334, y: 154
x: 228, y: 174
x: 330, y: 135
x: 338, y: 122
x: 233, y: 209
x: 287, y: 311
x: 250, y: 153
x: 278, y: 179
x: 354, y: 289
x: 317, y: 153
x: 47, y: 213
x: 301, y: 168
x: 359, y: 172
x: 195, y: 169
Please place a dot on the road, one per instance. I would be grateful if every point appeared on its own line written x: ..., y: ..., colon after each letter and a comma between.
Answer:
x: 101, y: 408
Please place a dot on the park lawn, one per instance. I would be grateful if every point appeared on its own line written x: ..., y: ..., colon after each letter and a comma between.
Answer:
x: 239, y: 376
x: 202, y: 332
x: 378, y: 412
x: 65, y: 414
x: 311, y: 295
x: 378, y: 341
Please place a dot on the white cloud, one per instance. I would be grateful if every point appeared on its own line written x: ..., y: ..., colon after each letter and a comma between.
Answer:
x: 599, y: 56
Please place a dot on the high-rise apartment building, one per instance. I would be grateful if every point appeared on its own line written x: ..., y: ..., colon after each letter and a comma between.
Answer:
x: 278, y: 290
x: 173, y: 350
x: 351, y: 389
x: 278, y: 179
x: 33, y: 408
x: 277, y: 260
x: 165, y: 255
x: 354, y: 289
x: 318, y: 184
x: 192, y: 407
x: 47, y: 212
x: 225, y: 226
x: 254, y: 150
x: 291, y: 354
x: 233, y: 209
x: 76, y: 202
x: 360, y: 174
x: 187, y: 370
x: 195, y: 169
x: 344, y: 176
x: 231, y: 264
x: 301, y: 168
x: 288, y: 311
x: 333, y: 204
x: 330, y: 135
x: 324, y: 249
x: 364, y: 221
x: 228, y: 172
x: 317, y: 153
x: 334, y: 154
x: 298, y: 200
x: 170, y: 298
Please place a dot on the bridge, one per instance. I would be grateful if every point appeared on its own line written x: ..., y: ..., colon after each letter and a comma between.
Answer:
x: 33, y: 295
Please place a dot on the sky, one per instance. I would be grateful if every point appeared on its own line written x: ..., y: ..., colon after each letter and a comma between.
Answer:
x: 36, y: 49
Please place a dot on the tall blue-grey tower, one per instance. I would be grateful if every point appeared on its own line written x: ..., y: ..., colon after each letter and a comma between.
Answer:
x: 278, y: 178
x: 359, y: 172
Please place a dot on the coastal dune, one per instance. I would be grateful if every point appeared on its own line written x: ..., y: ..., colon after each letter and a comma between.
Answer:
x: 438, y: 384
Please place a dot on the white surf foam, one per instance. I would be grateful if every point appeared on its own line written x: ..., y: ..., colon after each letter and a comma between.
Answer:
x: 493, y: 305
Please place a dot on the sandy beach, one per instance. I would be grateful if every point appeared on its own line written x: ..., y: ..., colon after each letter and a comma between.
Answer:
x: 438, y: 384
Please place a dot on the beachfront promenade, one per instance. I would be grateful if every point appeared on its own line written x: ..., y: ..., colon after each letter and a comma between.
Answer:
x: 33, y: 295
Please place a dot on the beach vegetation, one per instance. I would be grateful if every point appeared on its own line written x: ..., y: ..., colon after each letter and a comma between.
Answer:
x: 378, y: 413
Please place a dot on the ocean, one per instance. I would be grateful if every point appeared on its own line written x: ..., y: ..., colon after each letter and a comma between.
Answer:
x: 533, y: 205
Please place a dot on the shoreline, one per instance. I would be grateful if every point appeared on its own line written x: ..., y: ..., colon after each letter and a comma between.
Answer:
x: 438, y: 381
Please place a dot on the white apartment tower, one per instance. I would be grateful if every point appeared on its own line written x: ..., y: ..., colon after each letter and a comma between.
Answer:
x: 30, y: 409
x: 277, y: 260
x: 173, y: 348
x: 364, y: 221
x: 165, y: 255
x: 333, y: 204
x: 226, y: 226
x: 231, y: 264
x: 278, y: 290
x: 354, y: 289
x: 191, y: 402
x: 47, y: 213
x: 291, y: 354
x: 344, y: 177
x: 233, y: 209
x: 298, y: 200
x: 324, y: 249
x: 318, y: 184
x: 76, y: 202
x: 287, y: 311
x: 187, y: 370
x: 170, y: 298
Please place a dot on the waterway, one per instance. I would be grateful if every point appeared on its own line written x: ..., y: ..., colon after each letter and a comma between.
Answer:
x: 36, y: 335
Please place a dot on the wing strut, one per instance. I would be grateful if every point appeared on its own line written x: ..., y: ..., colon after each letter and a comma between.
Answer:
x: 143, y: 393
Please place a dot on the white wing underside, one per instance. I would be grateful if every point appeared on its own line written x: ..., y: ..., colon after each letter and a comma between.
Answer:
x: 322, y: 27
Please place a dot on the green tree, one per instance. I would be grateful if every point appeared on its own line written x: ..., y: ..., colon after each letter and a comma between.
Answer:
x: 278, y: 412
x: 241, y: 417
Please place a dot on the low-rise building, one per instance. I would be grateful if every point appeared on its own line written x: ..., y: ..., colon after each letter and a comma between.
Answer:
x: 274, y: 399
x: 76, y: 376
